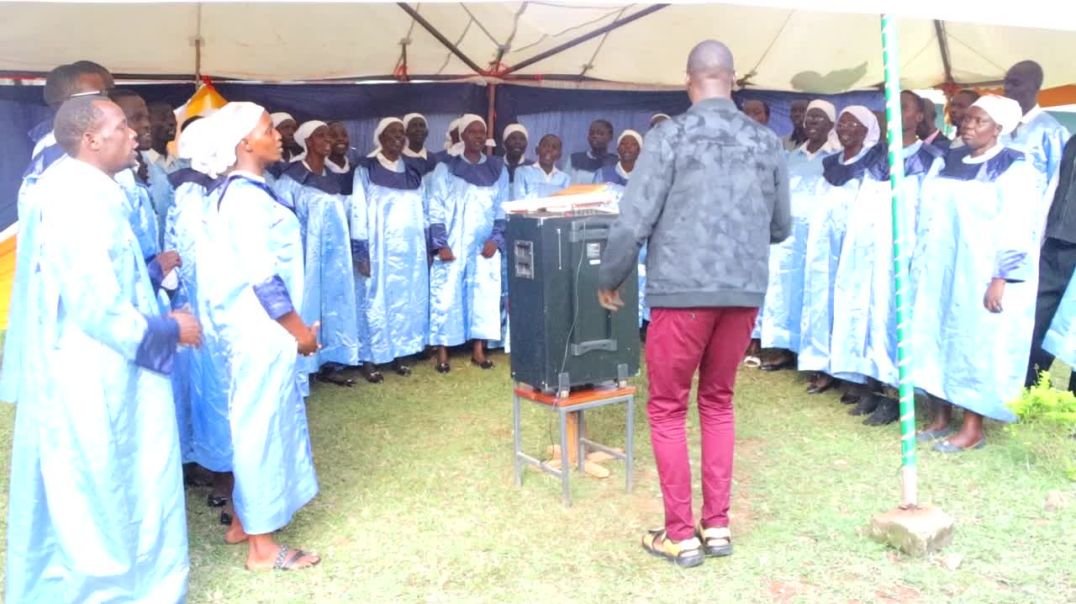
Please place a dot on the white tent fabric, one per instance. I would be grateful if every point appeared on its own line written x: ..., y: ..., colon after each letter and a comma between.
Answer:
x: 778, y: 45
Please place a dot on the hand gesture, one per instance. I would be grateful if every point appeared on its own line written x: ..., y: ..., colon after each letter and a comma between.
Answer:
x: 489, y: 249
x: 610, y: 299
x: 168, y: 261
x: 190, y: 332
x: 308, y: 339
x: 445, y: 254
x: 364, y: 268
x: 994, y: 293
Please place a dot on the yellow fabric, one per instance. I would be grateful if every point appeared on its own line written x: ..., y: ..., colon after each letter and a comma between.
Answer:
x: 7, y: 277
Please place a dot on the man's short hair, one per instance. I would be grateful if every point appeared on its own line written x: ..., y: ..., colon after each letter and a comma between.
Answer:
x: 548, y: 136
x: 605, y: 123
x: 116, y: 94
x: 85, y: 66
x: 76, y: 117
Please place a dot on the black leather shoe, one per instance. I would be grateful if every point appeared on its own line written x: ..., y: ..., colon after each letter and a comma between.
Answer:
x: 887, y: 412
x: 216, y: 501
x: 443, y: 367
x: 867, y: 404
x: 850, y: 399
x: 486, y: 364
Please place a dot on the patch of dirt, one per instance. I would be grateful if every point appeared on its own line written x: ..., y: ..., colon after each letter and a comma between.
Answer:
x: 899, y: 594
x: 783, y: 592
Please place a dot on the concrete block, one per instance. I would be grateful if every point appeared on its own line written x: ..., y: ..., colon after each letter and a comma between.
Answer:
x: 916, y: 532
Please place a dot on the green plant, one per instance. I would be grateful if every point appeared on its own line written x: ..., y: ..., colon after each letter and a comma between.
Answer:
x: 1043, y: 403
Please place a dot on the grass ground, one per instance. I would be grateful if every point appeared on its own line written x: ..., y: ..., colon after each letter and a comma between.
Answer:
x: 417, y: 504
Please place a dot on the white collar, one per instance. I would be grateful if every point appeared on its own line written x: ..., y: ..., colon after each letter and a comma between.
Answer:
x: 481, y: 159
x: 311, y: 170
x: 857, y: 156
x: 912, y: 149
x: 249, y: 175
x: 409, y: 153
x: 985, y: 157
x: 622, y: 172
x: 548, y: 176
x: 522, y: 161
x: 828, y: 147
x: 1030, y: 115
x: 392, y: 166
x: 335, y: 168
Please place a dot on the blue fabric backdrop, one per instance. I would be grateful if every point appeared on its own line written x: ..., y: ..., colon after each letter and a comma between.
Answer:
x: 564, y: 112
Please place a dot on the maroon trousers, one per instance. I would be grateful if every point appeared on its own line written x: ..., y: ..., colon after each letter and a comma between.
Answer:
x: 679, y: 342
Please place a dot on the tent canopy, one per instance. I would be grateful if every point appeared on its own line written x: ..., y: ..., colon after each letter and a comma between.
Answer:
x: 833, y: 47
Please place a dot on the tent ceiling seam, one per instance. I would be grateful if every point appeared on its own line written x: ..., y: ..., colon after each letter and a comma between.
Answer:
x: 611, y: 14
x: 769, y: 47
x: 475, y: 20
x: 594, y: 55
x: 975, y: 52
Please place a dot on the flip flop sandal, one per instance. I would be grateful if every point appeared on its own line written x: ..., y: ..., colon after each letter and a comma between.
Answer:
x: 716, y: 541
x: 402, y: 370
x: 443, y: 367
x: 225, y: 518
x: 927, y: 436
x: 486, y: 364
x: 686, y: 554
x: 948, y: 447
x: 752, y: 361
x: 284, y: 561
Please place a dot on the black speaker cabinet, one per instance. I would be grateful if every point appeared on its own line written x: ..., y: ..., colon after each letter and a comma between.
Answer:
x: 561, y: 337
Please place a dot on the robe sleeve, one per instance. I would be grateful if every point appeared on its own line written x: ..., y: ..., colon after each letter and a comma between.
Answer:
x: 91, y: 295
x: 438, y: 208
x: 500, y: 221
x: 640, y: 207
x: 359, y: 217
x: 1017, y: 227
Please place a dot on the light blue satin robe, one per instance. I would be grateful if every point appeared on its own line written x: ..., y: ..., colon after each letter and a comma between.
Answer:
x: 329, y: 294
x: 533, y: 183
x: 1043, y: 138
x: 465, y: 293
x: 1060, y: 339
x: 19, y: 312
x: 96, y: 510
x: 204, y: 385
x: 388, y: 228
x: 825, y: 238
x: 864, y: 342
x: 779, y: 319
x: 257, y: 248
x: 970, y: 231
x: 143, y: 215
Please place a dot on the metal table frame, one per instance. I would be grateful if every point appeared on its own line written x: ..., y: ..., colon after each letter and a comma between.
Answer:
x: 593, y: 399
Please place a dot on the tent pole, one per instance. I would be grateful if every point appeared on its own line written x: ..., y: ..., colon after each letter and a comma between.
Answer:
x: 440, y: 37
x: 583, y: 38
x: 943, y: 46
x: 895, y: 134
x: 491, y: 115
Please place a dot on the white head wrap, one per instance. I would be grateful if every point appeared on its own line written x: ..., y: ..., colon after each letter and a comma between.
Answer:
x: 280, y: 117
x: 866, y: 117
x: 454, y: 126
x: 657, y: 115
x: 303, y: 133
x: 196, y: 144
x: 625, y: 134
x: 227, y: 127
x: 1005, y: 111
x: 464, y: 122
x: 831, y: 113
x: 414, y: 116
x: 381, y: 127
x: 512, y: 129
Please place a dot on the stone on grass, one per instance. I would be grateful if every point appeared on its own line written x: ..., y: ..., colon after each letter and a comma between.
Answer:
x: 916, y: 532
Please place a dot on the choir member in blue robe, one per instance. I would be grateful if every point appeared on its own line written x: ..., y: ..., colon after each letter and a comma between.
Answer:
x: 584, y: 165
x: 61, y: 83
x: 329, y: 296
x: 842, y: 173
x: 467, y: 233
x: 418, y: 130
x: 286, y: 126
x: 542, y: 179
x: 388, y: 235
x: 1038, y: 134
x: 779, y: 319
x: 96, y: 510
x: 1060, y: 339
x: 204, y: 386
x: 957, y: 107
x: 342, y: 157
x: 515, y: 140
x: 864, y: 341
x: 254, y: 288
x: 973, y: 275
x: 452, y: 145
x: 162, y: 119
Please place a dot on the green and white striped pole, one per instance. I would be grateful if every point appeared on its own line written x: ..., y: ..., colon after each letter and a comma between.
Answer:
x: 891, y: 61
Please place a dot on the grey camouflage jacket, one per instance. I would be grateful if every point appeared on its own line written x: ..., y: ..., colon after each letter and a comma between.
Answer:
x: 709, y: 194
